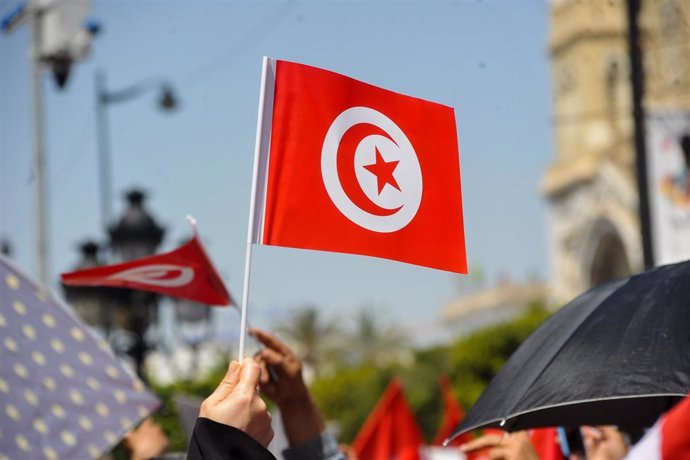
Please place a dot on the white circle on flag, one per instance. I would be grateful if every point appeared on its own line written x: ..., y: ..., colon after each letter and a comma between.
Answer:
x: 399, y: 197
x: 163, y: 275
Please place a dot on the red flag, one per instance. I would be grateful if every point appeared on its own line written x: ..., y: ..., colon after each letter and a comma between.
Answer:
x: 452, y: 416
x: 358, y: 169
x: 186, y: 272
x: 391, y: 431
x: 545, y: 442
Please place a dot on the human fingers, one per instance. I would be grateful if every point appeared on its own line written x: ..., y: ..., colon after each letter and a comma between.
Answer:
x: 591, y: 439
x: 592, y: 432
x: 489, y: 440
x: 270, y: 340
x: 265, y: 374
x: 498, y: 453
x: 272, y: 357
x: 249, y: 376
x: 226, y: 385
x: 267, y: 380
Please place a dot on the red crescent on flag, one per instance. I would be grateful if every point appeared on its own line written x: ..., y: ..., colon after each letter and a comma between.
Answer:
x: 346, y: 168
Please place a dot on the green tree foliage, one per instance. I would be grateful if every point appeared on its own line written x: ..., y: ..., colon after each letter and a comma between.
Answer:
x: 348, y: 396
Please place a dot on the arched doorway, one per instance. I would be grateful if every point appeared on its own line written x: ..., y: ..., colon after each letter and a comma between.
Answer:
x: 610, y: 261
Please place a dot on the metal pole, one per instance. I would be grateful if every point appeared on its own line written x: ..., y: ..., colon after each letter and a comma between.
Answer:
x: 637, y: 84
x: 39, y: 185
x: 103, y: 139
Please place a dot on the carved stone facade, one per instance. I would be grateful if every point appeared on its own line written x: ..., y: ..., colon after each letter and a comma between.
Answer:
x: 591, y: 186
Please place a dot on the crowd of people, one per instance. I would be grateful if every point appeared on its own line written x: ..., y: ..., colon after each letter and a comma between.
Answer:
x: 234, y: 422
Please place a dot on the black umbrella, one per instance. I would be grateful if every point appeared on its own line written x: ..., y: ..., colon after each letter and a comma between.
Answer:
x: 618, y: 354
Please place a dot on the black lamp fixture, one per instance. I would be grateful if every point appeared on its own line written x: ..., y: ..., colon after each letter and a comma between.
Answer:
x: 136, y: 234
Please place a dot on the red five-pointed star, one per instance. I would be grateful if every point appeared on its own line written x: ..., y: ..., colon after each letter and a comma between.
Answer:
x: 383, y: 170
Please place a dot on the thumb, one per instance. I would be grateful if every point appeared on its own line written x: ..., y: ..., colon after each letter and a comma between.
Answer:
x: 250, y: 376
x: 228, y: 383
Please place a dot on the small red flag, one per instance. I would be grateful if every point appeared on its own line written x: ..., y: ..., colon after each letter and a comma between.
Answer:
x: 545, y: 442
x: 452, y: 416
x: 186, y: 272
x: 391, y: 431
x: 358, y: 169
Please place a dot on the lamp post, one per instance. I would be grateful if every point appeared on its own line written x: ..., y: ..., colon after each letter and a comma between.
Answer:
x: 135, y: 235
x: 167, y: 102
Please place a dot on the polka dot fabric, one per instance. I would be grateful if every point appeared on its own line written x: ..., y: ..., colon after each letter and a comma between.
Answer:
x: 63, y: 394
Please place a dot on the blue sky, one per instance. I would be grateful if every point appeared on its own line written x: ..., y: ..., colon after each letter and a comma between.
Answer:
x: 487, y: 59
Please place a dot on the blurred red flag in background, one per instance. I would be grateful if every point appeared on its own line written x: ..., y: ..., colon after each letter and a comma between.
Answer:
x: 391, y: 431
x: 545, y: 442
x: 453, y: 414
x: 186, y: 272
x: 358, y: 169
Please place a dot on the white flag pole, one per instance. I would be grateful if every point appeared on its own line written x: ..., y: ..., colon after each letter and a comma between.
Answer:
x: 263, y: 136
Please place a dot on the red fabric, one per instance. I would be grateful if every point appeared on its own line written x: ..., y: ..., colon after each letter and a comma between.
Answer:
x: 186, y: 272
x: 300, y: 211
x: 675, y: 433
x: 452, y: 416
x: 545, y: 442
x: 391, y: 431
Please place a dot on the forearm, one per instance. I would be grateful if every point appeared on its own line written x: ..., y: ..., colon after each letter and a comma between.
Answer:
x: 302, y: 420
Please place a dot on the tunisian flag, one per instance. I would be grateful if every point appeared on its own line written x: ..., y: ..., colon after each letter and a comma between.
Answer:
x: 348, y: 167
x: 391, y: 431
x: 186, y: 272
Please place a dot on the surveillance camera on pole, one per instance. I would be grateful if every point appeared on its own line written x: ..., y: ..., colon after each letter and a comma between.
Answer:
x: 65, y: 35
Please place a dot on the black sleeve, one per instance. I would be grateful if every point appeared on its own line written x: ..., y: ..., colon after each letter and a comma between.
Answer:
x: 215, y: 441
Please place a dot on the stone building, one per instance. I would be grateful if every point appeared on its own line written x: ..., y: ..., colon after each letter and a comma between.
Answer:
x: 591, y: 186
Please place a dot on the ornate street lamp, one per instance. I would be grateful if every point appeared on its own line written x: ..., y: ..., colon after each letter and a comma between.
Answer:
x: 135, y: 235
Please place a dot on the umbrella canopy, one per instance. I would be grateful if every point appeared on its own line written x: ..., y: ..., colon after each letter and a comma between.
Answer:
x: 618, y: 354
